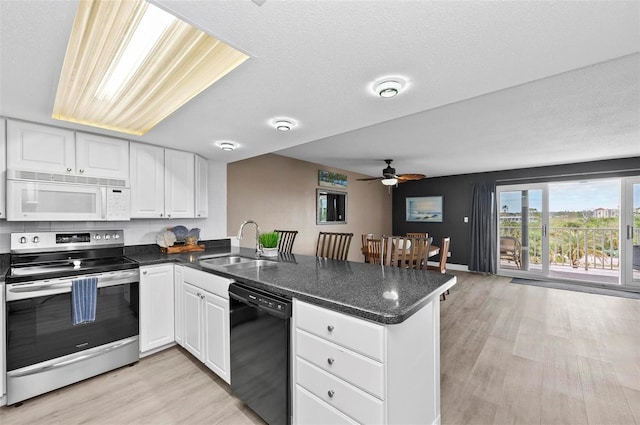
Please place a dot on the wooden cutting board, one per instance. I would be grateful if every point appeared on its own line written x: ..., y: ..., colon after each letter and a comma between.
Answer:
x: 176, y: 249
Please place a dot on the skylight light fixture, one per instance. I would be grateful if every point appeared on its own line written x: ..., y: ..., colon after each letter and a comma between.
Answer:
x: 130, y: 64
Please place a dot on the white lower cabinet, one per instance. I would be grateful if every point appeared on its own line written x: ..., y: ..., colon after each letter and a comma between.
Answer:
x: 156, y: 307
x: 348, y: 370
x: 205, y: 319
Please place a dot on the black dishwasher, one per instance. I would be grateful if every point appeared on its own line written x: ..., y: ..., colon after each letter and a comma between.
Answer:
x: 260, y: 371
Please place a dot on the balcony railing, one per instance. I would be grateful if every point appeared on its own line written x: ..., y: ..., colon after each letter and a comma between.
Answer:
x: 577, y: 247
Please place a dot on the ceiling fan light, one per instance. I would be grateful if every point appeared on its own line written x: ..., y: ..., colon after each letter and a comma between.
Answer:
x: 389, y: 182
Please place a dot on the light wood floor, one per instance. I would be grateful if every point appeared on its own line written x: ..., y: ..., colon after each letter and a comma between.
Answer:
x: 511, y: 354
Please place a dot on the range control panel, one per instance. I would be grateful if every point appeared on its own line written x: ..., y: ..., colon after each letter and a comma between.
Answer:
x: 65, y: 240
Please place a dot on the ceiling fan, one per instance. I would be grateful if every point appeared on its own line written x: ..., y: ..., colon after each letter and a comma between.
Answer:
x: 389, y: 176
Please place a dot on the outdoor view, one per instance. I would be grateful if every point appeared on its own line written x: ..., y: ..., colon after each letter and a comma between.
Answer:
x: 583, y: 229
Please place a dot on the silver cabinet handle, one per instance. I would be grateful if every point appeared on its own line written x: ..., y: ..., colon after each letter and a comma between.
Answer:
x: 160, y: 214
x: 81, y: 170
x: 144, y: 272
x: 330, y: 360
x: 169, y: 215
x: 68, y: 169
x: 330, y: 328
x: 331, y: 393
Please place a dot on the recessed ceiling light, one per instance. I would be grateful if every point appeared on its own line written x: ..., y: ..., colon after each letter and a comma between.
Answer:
x: 389, y: 86
x: 226, y: 145
x: 284, y: 125
x: 129, y: 66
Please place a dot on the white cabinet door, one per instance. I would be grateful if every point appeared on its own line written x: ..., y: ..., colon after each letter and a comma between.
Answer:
x: 178, y: 281
x: 100, y: 156
x: 147, y: 180
x: 34, y: 147
x: 156, y: 307
x: 216, y: 330
x: 202, y: 195
x: 3, y: 171
x: 179, y: 184
x: 192, y: 315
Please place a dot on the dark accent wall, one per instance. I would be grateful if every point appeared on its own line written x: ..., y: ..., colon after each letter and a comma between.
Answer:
x: 457, y: 196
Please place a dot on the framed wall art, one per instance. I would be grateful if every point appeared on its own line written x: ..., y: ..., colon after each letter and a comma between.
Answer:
x: 425, y: 209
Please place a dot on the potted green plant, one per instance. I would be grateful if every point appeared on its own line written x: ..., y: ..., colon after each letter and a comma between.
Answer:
x: 269, y: 242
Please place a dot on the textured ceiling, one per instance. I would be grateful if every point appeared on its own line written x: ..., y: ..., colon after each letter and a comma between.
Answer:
x: 483, y: 86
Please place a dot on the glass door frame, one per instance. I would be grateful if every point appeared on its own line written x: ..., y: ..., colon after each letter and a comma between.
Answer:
x: 627, y: 232
x: 544, y: 238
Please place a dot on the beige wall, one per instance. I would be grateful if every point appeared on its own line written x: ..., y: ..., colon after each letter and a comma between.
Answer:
x: 280, y: 193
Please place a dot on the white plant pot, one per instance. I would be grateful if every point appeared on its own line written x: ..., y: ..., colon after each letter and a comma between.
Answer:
x: 270, y: 252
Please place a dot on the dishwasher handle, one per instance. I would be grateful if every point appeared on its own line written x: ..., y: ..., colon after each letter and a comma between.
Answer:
x: 265, y: 301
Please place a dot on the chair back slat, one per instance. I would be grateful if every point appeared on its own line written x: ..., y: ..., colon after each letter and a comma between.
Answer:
x: 333, y: 245
x: 286, y: 240
x: 374, y: 248
x: 444, y: 254
x: 365, y: 250
x: 417, y: 235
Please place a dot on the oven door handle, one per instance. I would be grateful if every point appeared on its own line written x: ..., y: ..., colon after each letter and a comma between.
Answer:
x: 66, y: 283
x: 71, y: 359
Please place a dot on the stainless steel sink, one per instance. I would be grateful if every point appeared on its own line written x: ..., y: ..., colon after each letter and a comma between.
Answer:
x: 250, y: 264
x: 235, y: 262
x: 224, y: 261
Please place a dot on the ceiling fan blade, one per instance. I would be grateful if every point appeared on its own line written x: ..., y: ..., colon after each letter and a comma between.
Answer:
x: 407, y: 177
x: 370, y: 178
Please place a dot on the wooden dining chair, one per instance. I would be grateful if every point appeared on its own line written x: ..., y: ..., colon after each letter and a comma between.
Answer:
x: 286, y: 240
x: 365, y: 250
x: 442, y: 264
x: 333, y: 245
x: 404, y: 252
x: 374, y: 249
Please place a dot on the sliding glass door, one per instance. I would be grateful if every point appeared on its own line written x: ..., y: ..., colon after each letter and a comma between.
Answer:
x: 563, y: 230
x: 521, y: 240
x: 631, y: 231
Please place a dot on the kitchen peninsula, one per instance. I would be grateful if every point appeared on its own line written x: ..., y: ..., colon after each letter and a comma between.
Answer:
x: 364, y: 339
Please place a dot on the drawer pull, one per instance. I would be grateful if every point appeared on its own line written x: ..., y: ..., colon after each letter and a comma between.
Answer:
x: 330, y: 360
x: 330, y: 328
x: 330, y: 393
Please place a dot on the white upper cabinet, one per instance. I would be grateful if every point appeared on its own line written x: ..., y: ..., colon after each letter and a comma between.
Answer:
x: 35, y: 147
x: 179, y: 184
x: 202, y: 197
x: 3, y: 170
x: 147, y: 180
x: 100, y: 156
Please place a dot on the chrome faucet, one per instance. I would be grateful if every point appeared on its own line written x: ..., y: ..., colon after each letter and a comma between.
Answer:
x: 258, y: 244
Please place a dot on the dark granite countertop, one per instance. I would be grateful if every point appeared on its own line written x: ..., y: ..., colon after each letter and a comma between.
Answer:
x: 386, y: 295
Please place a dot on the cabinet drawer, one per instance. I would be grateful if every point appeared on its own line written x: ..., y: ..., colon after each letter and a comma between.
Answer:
x: 311, y: 410
x: 209, y: 282
x: 356, y: 334
x: 354, y: 368
x: 348, y: 399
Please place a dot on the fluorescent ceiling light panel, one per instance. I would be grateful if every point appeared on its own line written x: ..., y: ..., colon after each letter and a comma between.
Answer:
x: 130, y: 64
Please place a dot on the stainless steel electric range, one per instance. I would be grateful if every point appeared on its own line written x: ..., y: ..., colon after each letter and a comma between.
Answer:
x: 46, y: 347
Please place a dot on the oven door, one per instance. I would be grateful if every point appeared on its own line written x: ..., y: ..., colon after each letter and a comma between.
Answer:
x: 40, y: 322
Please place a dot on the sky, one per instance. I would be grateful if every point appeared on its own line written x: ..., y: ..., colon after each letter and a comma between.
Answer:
x: 573, y: 196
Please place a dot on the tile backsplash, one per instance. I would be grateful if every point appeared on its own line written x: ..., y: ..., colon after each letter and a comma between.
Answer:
x: 136, y: 232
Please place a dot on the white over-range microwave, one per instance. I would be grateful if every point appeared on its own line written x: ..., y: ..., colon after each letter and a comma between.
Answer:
x: 33, y: 196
